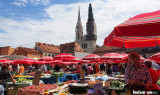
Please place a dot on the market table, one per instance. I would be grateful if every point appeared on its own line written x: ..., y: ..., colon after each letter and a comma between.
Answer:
x: 52, y: 80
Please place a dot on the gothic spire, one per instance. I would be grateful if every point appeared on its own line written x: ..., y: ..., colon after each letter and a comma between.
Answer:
x: 90, y: 14
x: 79, y: 18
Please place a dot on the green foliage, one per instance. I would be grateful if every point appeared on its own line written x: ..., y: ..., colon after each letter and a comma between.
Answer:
x: 116, y: 83
x: 57, y: 74
x: 158, y: 82
x: 20, y: 80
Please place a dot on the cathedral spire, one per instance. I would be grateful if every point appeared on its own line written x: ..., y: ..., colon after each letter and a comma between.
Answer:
x: 79, y: 18
x: 90, y: 14
x: 79, y: 28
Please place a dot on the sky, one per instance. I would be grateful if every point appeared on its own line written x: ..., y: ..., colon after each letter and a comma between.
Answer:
x: 24, y: 22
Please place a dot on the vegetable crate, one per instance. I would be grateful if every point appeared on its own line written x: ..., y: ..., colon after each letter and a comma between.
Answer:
x: 12, y: 91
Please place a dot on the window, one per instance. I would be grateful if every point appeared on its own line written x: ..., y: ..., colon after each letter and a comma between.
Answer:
x: 37, y: 55
x: 33, y: 55
x: 45, y: 54
x: 49, y: 55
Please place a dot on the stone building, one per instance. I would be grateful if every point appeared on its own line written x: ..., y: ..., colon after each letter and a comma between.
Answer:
x: 73, y: 48
x: 88, y: 41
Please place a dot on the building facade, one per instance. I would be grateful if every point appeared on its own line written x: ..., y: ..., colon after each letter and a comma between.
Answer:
x: 88, y: 41
x: 73, y: 48
x: 28, y: 52
x: 6, y: 50
x: 47, y: 49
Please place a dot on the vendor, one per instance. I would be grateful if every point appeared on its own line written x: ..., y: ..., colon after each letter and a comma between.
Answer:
x: 137, y: 72
x: 154, y: 75
x: 21, y: 70
x: 4, y: 75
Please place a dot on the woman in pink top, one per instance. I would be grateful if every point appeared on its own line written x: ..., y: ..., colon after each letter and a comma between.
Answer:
x: 89, y: 69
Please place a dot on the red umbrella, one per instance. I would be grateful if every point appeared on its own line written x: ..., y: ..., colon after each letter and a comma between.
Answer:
x: 64, y: 56
x: 112, y: 56
x: 46, y: 58
x: 125, y: 59
x: 91, y: 57
x: 155, y: 57
x: 5, y: 61
x: 139, y: 31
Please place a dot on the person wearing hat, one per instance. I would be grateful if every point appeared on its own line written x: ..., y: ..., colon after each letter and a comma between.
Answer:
x: 154, y: 75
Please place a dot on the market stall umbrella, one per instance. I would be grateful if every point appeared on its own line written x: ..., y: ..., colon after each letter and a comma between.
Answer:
x: 112, y: 56
x: 64, y: 57
x: 46, y: 58
x: 5, y: 61
x: 125, y: 59
x: 139, y: 31
x: 92, y: 58
x: 26, y: 61
x: 155, y: 56
x: 74, y: 60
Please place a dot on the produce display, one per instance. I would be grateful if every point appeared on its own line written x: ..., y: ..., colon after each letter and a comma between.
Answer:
x: 57, y: 74
x: 26, y: 76
x: 46, y: 76
x: 116, y: 84
x: 20, y: 80
x: 158, y: 82
x: 41, y: 88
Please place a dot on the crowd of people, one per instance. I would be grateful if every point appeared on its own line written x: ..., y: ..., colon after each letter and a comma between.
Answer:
x: 134, y: 70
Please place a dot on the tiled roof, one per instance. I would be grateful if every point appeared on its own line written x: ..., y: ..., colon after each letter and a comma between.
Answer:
x: 71, y: 48
x: 49, y: 48
x: 28, y: 50
x: 105, y: 48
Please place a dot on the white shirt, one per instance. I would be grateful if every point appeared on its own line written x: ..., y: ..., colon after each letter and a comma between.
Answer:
x: 1, y: 90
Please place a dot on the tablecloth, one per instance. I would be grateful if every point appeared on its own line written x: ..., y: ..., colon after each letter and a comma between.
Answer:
x: 52, y: 80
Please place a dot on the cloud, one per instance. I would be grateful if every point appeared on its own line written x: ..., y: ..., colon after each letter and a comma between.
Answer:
x: 21, y: 4
x: 39, y: 2
x: 60, y: 28
x: 32, y: 2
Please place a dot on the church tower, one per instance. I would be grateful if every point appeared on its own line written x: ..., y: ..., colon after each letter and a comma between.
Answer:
x: 91, y: 26
x: 79, y: 28
x: 88, y: 41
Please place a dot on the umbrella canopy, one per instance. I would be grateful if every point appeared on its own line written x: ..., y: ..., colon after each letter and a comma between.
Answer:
x: 125, y: 59
x: 155, y: 56
x: 91, y: 57
x: 25, y: 61
x: 112, y: 56
x: 139, y: 31
x: 4, y: 61
x: 63, y: 56
x: 46, y: 58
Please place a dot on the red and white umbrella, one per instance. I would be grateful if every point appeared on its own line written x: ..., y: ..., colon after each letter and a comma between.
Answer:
x: 155, y: 57
x: 64, y: 56
x: 5, y: 61
x: 139, y: 31
x: 126, y: 58
x: 112, y: 56
x: 46, y: 58
x: 91, y: 57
